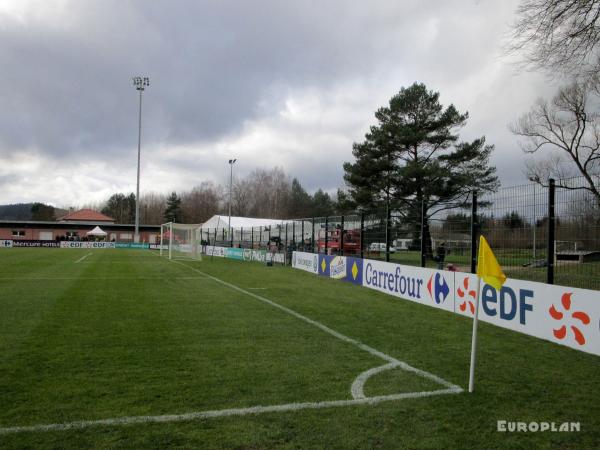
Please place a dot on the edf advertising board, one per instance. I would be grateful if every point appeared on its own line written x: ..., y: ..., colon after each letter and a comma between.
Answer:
x: 563, y: 315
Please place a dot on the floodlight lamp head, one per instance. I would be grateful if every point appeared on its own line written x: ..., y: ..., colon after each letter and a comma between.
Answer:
x: 141, y: 82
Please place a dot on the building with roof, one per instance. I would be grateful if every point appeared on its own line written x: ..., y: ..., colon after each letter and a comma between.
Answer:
x: 86, y: 215
x: 75, y: 226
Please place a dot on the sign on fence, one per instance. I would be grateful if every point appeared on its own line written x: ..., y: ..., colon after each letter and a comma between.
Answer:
x: 86, y: 244
x: 566, y: 316
x: 140, y: 245
x: 306, y: 261
x: 6, y: 243
x: 35, y: 243
x: 234, y: 253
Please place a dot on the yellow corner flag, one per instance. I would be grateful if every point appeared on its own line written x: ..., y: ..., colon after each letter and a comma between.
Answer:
x: 488, y: 268
x: 490, y: 272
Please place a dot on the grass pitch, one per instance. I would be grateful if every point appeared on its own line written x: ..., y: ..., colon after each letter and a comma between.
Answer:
x: 125, y: 334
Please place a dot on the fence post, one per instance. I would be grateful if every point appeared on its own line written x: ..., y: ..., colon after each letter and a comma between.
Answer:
x: 294, y: 232
x: 551, y: 237
x: 423, y: 233
x: 388, y: 217
x: 302, y: 232
x: 285, y: 247
x: 326, y: 237
x: 362, y: 229
x: 241, y: 237
x: 312, y: 238
x: 252, y: 237
x: 474, y: 233
x: 342, y: 238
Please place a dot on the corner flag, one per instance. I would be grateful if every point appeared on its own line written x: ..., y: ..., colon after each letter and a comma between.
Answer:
x: 490, y: 271
x: 488, y: 268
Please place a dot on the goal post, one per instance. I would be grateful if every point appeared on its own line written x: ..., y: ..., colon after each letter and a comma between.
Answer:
x: 181, y: 241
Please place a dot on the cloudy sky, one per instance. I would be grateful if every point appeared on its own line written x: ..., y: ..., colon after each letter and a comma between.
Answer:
x: 287, y: 83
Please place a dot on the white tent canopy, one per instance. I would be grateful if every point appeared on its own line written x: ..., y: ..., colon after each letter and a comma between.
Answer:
x: 97, y: 232
x: 238, y: 222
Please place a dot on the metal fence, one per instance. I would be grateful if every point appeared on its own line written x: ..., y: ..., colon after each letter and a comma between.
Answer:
x: 548, y: 234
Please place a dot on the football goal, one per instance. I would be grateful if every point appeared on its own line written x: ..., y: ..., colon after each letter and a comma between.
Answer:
x: 180, y: 241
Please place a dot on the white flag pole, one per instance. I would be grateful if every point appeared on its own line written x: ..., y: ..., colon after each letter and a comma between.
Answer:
x: 474, y: 338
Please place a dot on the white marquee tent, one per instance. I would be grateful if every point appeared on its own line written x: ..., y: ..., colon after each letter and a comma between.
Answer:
x: 220, y: 222
x: 97, y: 232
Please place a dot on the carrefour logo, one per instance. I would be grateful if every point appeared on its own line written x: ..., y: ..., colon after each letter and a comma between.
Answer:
x: 394, y: 281
x: 438, y: 288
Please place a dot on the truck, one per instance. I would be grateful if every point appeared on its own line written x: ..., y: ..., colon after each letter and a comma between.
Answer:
x: 334, y: 237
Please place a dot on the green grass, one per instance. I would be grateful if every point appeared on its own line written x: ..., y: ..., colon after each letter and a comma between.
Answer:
x: 125, y: 333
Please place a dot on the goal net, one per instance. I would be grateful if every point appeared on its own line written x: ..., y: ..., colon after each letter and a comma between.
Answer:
x: 180, y: 241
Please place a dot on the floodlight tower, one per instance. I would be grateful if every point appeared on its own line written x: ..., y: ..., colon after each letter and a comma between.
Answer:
x: 140, y: 84
x: 231, y: 163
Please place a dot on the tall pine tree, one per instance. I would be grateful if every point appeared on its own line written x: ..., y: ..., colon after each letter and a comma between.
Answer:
x: 413, y: 159
x: 173, y: 210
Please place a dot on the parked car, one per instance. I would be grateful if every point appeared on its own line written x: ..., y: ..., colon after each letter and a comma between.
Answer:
x: 380, y: 247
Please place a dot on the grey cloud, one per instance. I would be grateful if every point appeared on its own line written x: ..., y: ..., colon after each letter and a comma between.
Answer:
x: 215, y: 66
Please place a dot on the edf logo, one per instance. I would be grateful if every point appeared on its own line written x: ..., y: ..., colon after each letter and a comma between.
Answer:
x: 438, y: 288
x: 505, y: 302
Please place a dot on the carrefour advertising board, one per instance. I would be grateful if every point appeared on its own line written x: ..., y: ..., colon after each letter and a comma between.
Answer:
x: 427, y: 286
x: 564, y: 315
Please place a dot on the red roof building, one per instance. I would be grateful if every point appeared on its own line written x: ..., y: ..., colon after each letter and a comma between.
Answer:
x: 86, y: 215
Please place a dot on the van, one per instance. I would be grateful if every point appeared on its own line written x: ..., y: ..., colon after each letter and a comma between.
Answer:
x: 380, y: 247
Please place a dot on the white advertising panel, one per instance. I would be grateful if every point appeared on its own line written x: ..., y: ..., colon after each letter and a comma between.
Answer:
x: 564, y: 315
x: 212, y: 250
x: 6, y: 243
x: 427, y: 286
x: 308, y: 262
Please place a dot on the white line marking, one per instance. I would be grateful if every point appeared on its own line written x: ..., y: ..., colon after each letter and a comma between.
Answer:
x: 103, y: 278
x: 257, y: 289
x: 328, y: 330
x: 222, y: 412
x: 356, y: 389
x: 82, y: 258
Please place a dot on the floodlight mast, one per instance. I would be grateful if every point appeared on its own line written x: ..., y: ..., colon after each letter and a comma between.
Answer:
x: 231, y: 163
x: 140, y: 84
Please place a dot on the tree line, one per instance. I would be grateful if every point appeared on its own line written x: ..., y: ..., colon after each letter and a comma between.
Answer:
x: 264, y: 193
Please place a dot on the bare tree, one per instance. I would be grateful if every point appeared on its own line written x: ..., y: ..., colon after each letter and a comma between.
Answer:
x: 152, y: 207
x: 242, y: 198
x: 201, y: 203
x: 561, y: 36
x: 567, y: 126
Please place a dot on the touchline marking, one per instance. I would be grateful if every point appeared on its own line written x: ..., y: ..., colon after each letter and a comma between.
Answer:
x: 82, y: 258
x: 221, y: 413
x: 328, y: 330
x: 103, y: 278
x: 357, y: 388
